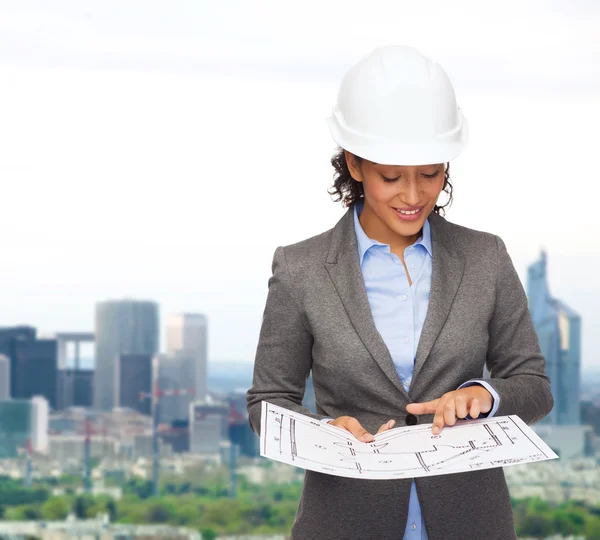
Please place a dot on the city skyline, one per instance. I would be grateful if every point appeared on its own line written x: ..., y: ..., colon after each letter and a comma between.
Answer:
x: 552, y: 277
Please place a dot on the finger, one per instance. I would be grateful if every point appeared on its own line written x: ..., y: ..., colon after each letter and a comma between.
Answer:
x: 438, y: 419
x: 475, y: 408
x: 386, y: 426
x: 450, y: 412
x: 461, y: 402
x: 427, y: 407
x: 354, y: 427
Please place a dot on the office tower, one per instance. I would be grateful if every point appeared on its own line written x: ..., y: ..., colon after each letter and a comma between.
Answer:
x: 23, y: 422
x: 208, y: 426
x: 122, y: 327
x: 4, y: 377
x: 559, y: 331
x: 176, y: 372
x: 189, y: 332
x: 9, y: 337
x: 241, y: 434
x: 75, y: 388
x: 39, y: 424
x: 178, y: 437
x: 76, y: 339
x: 75, y: 384
x: 34, y: 371
x: 133, y: 376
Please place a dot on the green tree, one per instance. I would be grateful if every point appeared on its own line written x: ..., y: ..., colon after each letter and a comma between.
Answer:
x: 538, y: 526
x: 158, y: 512
x: 221, y: 514
x: 111, y: 508
x: 24, y: 512
x: 55, y: 508
x: 567, y: 523
x: 208, y: 534
x: 81, y: 505
x: 141, y: 488
x: 592, y: 528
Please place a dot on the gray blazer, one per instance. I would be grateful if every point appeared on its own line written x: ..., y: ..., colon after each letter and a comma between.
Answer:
x: 317, y: 316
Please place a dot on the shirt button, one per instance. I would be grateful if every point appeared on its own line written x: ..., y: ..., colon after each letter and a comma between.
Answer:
x: 404, y: 297
x: 413, y: 526
x: 414, y: 265
x: 411, y: 420
x: 405, y: 340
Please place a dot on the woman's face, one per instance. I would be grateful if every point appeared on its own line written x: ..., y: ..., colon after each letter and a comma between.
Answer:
x: 391, y: 191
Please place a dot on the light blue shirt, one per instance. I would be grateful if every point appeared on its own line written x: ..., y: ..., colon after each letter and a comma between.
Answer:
x: 399, y: 312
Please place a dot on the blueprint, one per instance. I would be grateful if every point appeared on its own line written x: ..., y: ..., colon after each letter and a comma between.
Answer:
x: 402, y: 452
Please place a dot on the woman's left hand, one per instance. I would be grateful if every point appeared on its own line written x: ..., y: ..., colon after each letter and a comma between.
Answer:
x: 471, y: 400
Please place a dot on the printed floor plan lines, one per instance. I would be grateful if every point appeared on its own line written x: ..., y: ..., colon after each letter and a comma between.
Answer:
x: 402, y: 452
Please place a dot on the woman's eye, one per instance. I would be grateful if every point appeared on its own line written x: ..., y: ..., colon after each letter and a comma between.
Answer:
x: 386, y: 179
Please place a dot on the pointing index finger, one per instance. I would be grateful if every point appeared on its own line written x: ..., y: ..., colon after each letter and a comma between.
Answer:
x: 427, y: 407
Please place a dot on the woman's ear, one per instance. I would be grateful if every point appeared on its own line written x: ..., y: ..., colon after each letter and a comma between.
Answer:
x: 353, y: 166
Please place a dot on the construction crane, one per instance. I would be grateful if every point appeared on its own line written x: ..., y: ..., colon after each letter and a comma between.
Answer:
x: 87, y: 453
x: 28, y: 463
x: 155, y: 396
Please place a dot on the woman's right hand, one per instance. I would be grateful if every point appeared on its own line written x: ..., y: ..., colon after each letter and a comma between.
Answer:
x: 352, y: 425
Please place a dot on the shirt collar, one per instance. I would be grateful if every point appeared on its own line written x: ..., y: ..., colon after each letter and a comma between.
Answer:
x: 365, y: 243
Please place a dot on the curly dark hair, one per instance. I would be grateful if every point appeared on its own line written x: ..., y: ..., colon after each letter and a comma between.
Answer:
x: 349, y: 191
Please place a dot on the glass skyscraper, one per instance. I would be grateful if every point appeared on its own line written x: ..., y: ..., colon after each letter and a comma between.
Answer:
x: 122, y: 327
x: 559, y: 331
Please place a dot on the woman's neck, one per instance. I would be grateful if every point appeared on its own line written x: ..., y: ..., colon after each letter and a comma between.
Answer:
x: 377, y: 230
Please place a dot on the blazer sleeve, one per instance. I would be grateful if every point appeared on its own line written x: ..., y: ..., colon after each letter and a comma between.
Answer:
x: 284, y: 353
x: 514, y: 359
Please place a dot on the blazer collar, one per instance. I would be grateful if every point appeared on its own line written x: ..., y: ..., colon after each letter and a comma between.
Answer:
x: 343, y: 266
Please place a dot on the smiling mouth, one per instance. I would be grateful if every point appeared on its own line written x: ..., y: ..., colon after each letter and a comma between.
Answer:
x: 409, y: 212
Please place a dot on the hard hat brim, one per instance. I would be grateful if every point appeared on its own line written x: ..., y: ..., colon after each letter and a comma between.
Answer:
x: 399, y: 153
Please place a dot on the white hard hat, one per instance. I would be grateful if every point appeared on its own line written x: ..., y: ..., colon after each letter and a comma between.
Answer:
x: 397, y: 107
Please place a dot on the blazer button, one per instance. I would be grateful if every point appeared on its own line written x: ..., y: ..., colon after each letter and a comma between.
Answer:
x: 411, y: 420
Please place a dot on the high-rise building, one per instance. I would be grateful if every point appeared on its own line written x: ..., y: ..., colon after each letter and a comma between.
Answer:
x: 176, y: 372
x: 75, y: 388
x: 133, y: 376
x: 208, y: 426
x: 122, y: 327
x: 4, y: 377
x: 559, y: 332
x: 75, y: 384
x: 9, y: 337
x: 240, y: 432
x: 23, y: 423
x: 39, y: 424
x: 33, y: 369
x: 187, y: 336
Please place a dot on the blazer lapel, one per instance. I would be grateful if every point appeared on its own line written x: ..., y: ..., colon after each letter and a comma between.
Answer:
x: 344, y: 269
x: 447, y: 272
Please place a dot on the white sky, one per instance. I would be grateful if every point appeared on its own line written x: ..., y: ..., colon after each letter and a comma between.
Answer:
x: 163, y: 150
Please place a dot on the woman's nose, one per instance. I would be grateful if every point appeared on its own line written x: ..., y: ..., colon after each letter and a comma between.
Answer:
x: 410, y: 194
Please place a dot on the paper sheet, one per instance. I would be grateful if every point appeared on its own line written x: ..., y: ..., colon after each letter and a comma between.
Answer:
x: 402, y: 452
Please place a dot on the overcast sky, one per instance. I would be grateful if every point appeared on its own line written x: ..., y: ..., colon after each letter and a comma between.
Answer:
x: 163, y: 150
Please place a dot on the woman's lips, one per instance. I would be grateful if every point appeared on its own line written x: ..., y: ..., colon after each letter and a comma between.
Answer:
x: 409, y: 217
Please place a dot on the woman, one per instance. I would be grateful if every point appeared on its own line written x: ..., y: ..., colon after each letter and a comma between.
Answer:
x: 396, y: 311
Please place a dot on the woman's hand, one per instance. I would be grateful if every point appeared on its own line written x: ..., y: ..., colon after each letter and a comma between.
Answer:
x: 471, y: 400
x: 353, y: 426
